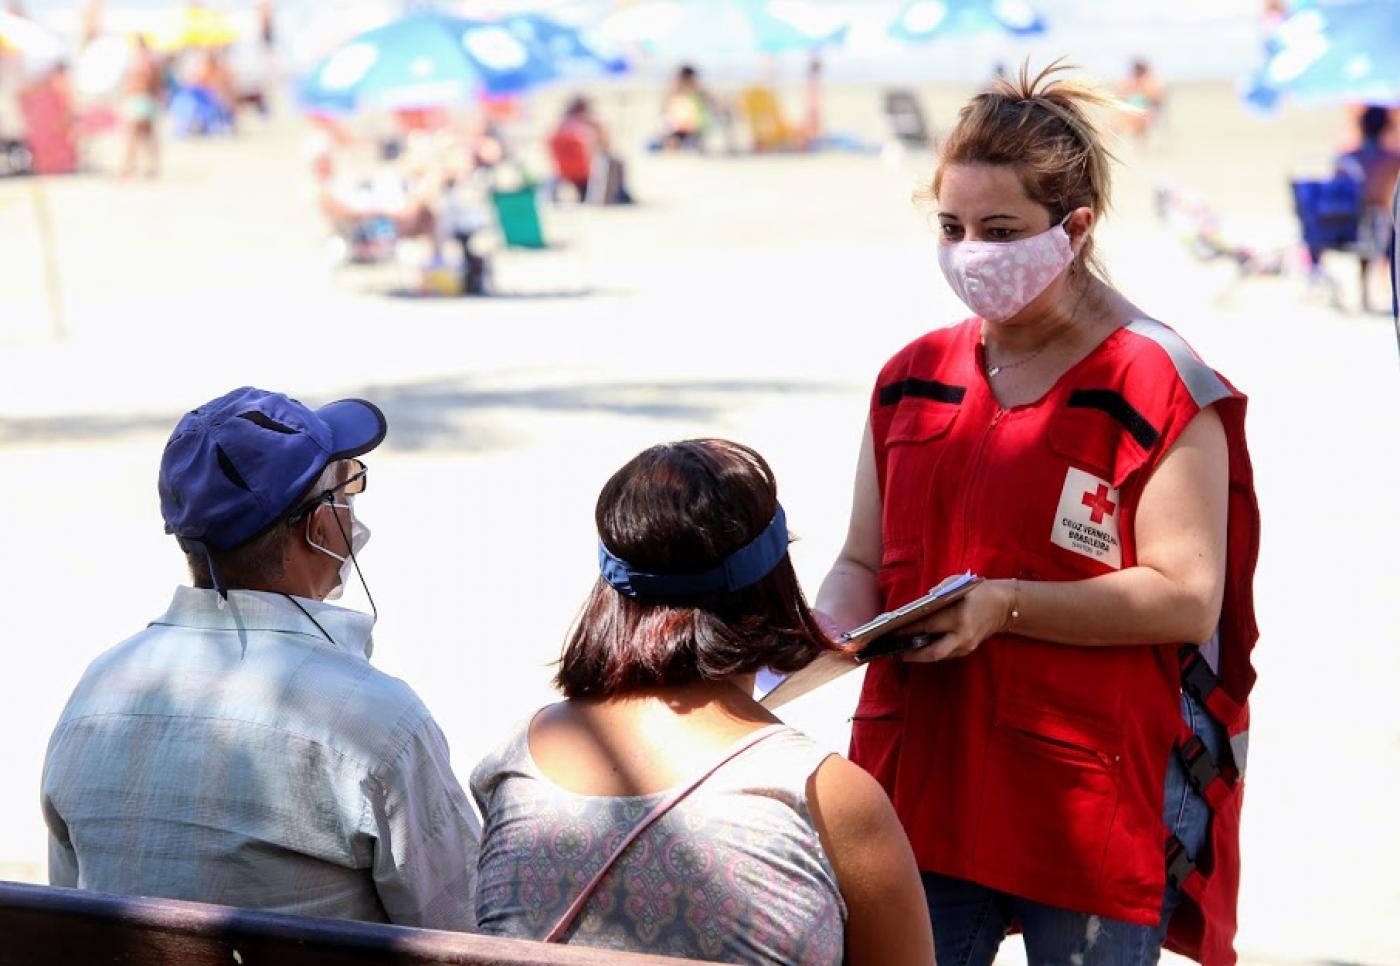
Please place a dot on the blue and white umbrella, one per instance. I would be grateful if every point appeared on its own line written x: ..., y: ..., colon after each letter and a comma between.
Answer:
x: 563, y: 47
x: 708, y: 28
x: 922, y: 20
x: 1332, y: 50
x: 422, y: 60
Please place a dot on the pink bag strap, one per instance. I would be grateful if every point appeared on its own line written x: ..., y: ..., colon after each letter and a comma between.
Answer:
x: 659, y: 809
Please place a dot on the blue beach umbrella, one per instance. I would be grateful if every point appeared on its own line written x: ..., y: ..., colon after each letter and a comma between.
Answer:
x: 563, y: 47
x: 702, y: 28
x: 922, y: 20
x: 422, y: 60
x: 1331, y: 50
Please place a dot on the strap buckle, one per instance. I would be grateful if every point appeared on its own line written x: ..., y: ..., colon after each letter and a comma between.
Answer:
x: 1201, y: 769
x: 1196, y: 675
x: 1180, y: 865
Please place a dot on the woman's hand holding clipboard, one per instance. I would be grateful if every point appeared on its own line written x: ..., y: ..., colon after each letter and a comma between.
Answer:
x: 876, y: 638
x: 879, y: 637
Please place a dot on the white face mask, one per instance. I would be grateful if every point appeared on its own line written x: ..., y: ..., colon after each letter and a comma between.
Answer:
x: 999, y: 279
x: 359, y: 536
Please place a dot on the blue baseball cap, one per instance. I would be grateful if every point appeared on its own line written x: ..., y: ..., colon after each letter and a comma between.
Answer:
x: 237, y: 465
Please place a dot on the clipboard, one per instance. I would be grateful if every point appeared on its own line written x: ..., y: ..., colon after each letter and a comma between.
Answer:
x: 830, y: 665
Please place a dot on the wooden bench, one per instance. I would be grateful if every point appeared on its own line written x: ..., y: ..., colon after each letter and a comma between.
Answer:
x: 43, y: 926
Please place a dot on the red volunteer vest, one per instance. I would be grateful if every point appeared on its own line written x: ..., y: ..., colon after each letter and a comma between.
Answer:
x: 1034, y: 768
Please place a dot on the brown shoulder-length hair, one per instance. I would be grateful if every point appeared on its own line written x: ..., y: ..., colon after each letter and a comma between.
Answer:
x: 682, y: 508
x: 1044, y: 127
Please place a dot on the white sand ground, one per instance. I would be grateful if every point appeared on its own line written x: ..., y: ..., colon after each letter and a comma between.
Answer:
x: 749, y: 297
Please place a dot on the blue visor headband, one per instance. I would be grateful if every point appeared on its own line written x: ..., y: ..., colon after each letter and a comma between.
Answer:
x: 742, y: 568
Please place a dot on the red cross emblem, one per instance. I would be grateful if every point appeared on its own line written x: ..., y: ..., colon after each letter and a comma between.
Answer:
x: 1099, y: 504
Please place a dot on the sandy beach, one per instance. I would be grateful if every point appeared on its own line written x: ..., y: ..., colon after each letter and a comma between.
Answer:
x: 747, y: 297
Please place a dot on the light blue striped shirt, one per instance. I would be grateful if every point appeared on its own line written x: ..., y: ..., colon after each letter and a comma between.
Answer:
x: 232, y: 754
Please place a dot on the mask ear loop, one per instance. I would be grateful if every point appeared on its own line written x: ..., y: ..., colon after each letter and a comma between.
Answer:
x: 296, y: 603
x: 330, y: 502
x: 350, y: 549
x: 1074, y: 260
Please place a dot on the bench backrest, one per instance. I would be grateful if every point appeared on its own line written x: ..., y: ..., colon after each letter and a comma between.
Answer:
x: 43, y: 926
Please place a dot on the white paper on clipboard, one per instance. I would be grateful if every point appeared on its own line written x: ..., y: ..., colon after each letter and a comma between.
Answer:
x: 831, y: 665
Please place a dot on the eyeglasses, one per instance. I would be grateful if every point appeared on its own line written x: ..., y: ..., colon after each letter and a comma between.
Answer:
x: 355, y: 482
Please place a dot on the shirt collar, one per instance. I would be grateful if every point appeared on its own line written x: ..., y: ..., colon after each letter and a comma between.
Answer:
x: 256, y: 610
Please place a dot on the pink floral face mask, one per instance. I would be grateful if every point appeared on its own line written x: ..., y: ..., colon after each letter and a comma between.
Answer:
x: 998, y: 279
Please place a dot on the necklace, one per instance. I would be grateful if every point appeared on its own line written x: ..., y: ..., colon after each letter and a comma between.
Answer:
x: 994, y: 371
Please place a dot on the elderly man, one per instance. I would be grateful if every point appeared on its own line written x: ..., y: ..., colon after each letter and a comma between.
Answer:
x: 241, y: 749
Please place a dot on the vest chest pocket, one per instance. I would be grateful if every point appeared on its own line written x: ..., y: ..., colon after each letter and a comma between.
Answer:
x: 913, y: 449
x: 1096, y: 440
x: 1088, y: 440
x: 920, y: 422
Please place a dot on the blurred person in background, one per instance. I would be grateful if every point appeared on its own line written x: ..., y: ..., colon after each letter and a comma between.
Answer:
x: 141, y: 96
x: 241, y: 749
x: 485, y: 146
x: 686, y: 111
x: 1143, y: 93
x: 1376, y: 168
x: 374, y: 211
x: 781, y: 852
x: 90, y: 22
x: 579, y: 146
x: 1066, y: 749
x: 813, y: 115
x: 1354, y: 137
x: 267, y: 24
x: 212, y: 76
x: 253, y: 68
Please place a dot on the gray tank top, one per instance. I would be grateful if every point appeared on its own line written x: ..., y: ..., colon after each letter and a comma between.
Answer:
x: 733, y: 873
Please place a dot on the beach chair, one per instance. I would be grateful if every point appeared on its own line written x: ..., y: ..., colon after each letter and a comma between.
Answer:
x: 196, y: 111
x: 904, y: 117
x: 1329, y: 219
x: 767, y: 127
x: 1329, y: 212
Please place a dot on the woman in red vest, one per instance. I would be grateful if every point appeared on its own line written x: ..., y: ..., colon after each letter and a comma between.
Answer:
x: 1067, y: 751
